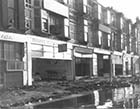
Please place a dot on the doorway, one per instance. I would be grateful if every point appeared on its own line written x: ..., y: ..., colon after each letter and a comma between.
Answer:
x: 82, y: 66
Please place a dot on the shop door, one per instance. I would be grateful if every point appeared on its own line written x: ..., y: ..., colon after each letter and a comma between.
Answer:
x: 126, y: 63
x: 82, y: 67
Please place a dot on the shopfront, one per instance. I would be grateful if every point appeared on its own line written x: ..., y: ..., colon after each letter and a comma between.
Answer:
x: 83, y: 61
x: 103, y: 62
x: 127, y: 63
x: 50, y: 59
x: 12, y: 59
x: 117, y: 63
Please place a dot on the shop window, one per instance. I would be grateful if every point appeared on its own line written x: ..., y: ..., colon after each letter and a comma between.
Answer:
x: 13, y: 51
x: 12, y: 54
x: 15, y: 66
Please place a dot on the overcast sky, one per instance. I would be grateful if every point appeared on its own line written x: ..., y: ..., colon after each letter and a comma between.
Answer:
x: 130, y: 8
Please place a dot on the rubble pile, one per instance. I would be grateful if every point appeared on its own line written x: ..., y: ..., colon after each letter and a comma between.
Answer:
x: 50, y: 90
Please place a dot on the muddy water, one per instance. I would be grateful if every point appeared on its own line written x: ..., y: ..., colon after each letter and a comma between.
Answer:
x: 119, y: 98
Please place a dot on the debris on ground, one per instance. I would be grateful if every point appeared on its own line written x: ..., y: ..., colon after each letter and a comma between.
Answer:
x: 48, y: 90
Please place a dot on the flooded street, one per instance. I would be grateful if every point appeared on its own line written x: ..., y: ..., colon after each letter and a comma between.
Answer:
x: 128, y: 97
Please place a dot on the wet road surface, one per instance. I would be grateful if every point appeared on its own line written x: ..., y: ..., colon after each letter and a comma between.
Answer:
x: 119, y: 98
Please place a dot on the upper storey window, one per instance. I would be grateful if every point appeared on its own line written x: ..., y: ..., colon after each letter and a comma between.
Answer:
x: 130, y: 28
x: 99, y: 12
x: 10, y: 3
x: 11, y: 12
x: 121, y: 23
x: 28, y: 13
x: 85, y: 6
x: 72, y: 4
x: 108, y: 16
x: 28, y: 3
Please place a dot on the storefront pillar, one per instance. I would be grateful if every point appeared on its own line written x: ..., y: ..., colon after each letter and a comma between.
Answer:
x: 29, y: 64
x: 94, y: 65
x: 25, y: 72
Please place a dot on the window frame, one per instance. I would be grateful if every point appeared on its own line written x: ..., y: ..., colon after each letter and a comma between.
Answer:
x: 100, y: 35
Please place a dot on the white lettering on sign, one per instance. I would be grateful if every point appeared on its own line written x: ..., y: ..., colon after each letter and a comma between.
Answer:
x: 6, y: 36
x: 12, y: 37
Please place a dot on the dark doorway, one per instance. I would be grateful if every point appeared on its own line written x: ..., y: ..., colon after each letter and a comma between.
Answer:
x: 82, y: 66
x: 118, y: 69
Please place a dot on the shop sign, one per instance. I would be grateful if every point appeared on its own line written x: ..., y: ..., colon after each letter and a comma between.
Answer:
x: 6, y: 37
x: 83, y: 50
x: 62, y: 47
x: 12, y: 37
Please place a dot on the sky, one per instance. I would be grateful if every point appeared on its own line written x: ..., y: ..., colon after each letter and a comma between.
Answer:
x: 130, y: 8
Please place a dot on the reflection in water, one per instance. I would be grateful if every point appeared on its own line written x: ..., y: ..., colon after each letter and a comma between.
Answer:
x: 124, y: 98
